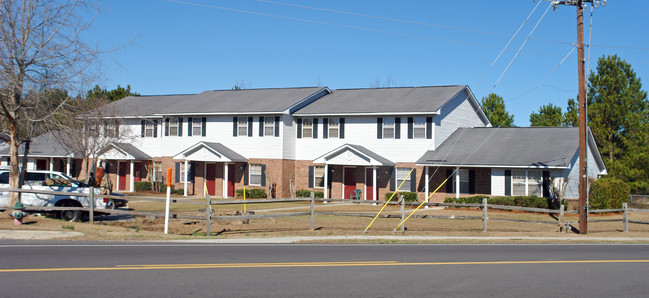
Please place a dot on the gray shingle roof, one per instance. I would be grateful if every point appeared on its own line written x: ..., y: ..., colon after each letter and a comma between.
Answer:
x: 133, y: 151
x: 382, y: 100
x: 552, y: 147
x: 370, y: 153
x: 227, y: 152
x: 46, y: 145
x: 213, y: 102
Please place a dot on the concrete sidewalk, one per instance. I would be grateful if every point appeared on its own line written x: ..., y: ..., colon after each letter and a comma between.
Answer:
x: 36, y: 235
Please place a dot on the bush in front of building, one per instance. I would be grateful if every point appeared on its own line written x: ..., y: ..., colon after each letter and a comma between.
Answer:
x: 255, y: 193
x: 409, y: 196
x: 305, y: 193
x: 520, y: 201
x: 142, y: 186
x: 608, y: 193
x: 180, y: 191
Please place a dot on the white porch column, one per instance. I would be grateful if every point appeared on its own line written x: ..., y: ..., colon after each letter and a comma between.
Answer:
x: 117, y: 175
x: 67, y: 167
x: 326, y: 178
x: 426, y: 184
x: 186, y: 175
x: 225, y: 180
x: 375, y: 189
x: 204, y: 178
x: 51, y: 167
x: 132, y: 180
x: 457, y: 183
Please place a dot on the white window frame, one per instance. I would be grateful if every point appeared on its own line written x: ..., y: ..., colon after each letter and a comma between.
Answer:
x: 242, y: 126
x: 527, y: 182
x: 402, y: 174
x: 197, y: 126
x: 464, y: 181
x: 307, y: 128
x: 182, y: 172
x: 334, y: 126
x: 419, y: 125
x: 157, y: 170
x: 174, y: 125
x: 148, y: 129
x: 318, y: 173
x: 389, y: 128
x: 255, y: 170
x: 269, y: 126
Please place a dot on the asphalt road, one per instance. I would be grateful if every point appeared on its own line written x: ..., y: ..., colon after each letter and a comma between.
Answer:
x: 58, y: 269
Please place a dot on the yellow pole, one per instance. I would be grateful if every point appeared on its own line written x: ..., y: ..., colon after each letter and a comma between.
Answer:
x: 386, y: 203
x: 422, y: 203
x: 244, y: 198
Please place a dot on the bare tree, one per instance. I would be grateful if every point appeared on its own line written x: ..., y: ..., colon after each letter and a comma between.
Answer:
x: 40, y: 50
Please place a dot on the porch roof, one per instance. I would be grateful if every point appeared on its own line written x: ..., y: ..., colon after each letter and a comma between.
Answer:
x: 208, y: 151
x: 124, y: 151
x: 353, y: 155
x: 45, y: 145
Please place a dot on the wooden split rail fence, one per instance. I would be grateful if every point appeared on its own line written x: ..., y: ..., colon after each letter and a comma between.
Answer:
x: 562, y: 224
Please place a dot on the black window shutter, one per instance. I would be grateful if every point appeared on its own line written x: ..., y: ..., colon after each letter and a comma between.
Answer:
x: 155, y: 128
x: 189, y: 126
x: 342, y: 128
x: 392, y: 179
x: 203, y: 126
x: 117, y: 129
x: 508, y: 182
x: 330, y: 177
x: 192, y: 172
x: 235, y: 121
x: 310, y: 176
x: 397, y: 128
x: 471, y: 181
x: 261, y: 126
x: 167, y: 127
x: 546, y: 184
x: 429, y: 127
x: 379, y: 128
x: 245, y: 175
x: 180, y: 126
x: 411, y: 122
x: 413, y: 181
x: 250, y: 126
x: 315, y: 128
x: 325, y: 128
x: 143, y: 125
x: 277, y: 126
x: 177, y: 172
x: 449, y: 183
x: 299, y: 128
x: 263, y: 175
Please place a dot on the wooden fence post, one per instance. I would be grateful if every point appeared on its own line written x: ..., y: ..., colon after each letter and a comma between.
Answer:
x: 561, y: 226
x: 312, y: 211
x: 91, y: 206
x: 484, y: 214
x: 626, y: 217
x: 403, y: 213
x: 208, y: 215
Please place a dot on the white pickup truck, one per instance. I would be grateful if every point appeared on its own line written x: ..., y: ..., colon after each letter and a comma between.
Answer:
x: 57, y: 181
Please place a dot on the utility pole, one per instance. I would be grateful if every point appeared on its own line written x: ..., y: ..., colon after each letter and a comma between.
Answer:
x: 583, y: 166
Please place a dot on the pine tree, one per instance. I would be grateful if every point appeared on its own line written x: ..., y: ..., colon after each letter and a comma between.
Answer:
x: 494, y: 107
x: 548, y: 115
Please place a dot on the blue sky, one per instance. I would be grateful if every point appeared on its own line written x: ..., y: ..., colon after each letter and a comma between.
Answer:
x: 189, y: 46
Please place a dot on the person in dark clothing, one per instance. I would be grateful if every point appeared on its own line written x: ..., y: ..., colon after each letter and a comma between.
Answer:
x: 91, y: 180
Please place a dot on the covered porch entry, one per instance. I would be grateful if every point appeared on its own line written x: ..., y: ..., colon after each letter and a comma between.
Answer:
x: 129, y: 165
x: 215, y: 164
x: 354, y: 168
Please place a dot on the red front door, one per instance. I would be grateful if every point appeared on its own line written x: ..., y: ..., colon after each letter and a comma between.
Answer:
x: 210, y: 177
x: 369, y: 184
x: 350, y: 182
x: 123, y: 171
x: 41, y: 164
x: 231, y: 176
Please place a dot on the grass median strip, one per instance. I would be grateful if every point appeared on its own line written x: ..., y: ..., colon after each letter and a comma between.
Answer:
x: 312, y: 264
